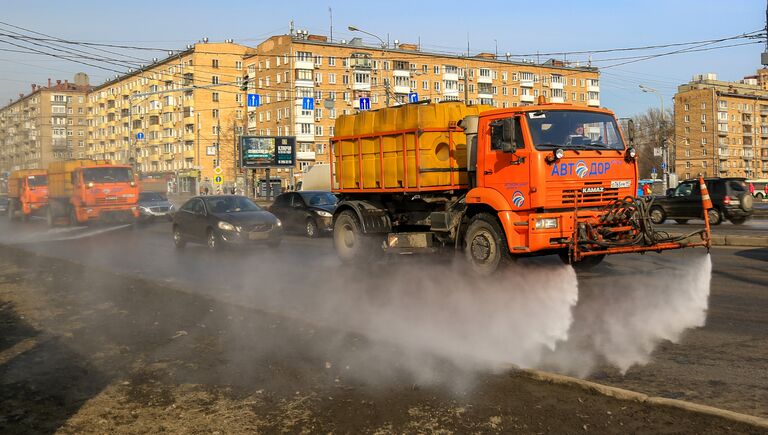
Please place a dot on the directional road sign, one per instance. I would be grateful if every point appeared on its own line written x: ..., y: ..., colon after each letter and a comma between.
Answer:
x: 218, y: 180
x: 663, y: 165
x: 254, y: 100
x: 365, y: 104
x: 140, y: 136
x: 653, y: 170
x: 413, y: 97
x: 307, y: 103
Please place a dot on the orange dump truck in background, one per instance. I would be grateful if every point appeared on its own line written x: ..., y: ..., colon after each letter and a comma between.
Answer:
x: 27, y: 193
x: 495, y: 183
x: 91, y: 190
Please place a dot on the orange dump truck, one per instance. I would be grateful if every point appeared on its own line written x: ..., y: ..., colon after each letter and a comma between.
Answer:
x: 495, y: 183
x: 91, y: 190
x: 27, y: 193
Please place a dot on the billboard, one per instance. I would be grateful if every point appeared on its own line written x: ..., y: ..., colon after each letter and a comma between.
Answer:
x: 267, y: 151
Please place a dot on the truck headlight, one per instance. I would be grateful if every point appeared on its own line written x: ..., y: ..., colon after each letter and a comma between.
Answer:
x: 278, y: 223
x: 226, y: 226
x: 546, y: 223
x: 323, y: 213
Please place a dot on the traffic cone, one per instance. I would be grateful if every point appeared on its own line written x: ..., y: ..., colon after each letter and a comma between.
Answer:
x: 705, y: 200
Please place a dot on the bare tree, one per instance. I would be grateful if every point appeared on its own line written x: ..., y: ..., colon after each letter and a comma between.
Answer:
x: 650, y: 132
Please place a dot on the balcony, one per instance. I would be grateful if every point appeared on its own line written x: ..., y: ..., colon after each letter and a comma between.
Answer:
x: 401, y: 73
x: 527, y: 98
x: 451, y: 92
x: 305, y: 155
x: 402, y: 89
x: 168, y: 156
x: 189, y: 154
x: 593, y: 102
x: 361, y: 86
x: 526, y: 83
x: 557, y: 100
x: 722, y: 132
x: 485, y: 79
x: 557, y: 85
x: 304, y: 64
x: 154, y: 158
x: 453, y: 77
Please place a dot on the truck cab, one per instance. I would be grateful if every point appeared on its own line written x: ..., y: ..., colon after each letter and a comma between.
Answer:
x: 104, y: 193
x: 28, y: 193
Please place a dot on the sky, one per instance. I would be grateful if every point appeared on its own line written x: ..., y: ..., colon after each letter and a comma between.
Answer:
x: 516, y: 27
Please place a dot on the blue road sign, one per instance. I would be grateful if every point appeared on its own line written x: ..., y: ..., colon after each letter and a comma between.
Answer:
x: 413, y: 97
x: 653, y: 170
x: 218, y: 179
x: 663, y: 166
x: 307, y: 103
x: 254, y: 100
x: 365, y: 104
x: 140, y: 136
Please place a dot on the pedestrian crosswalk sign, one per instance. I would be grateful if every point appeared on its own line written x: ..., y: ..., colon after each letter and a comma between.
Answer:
x: 218, y: 179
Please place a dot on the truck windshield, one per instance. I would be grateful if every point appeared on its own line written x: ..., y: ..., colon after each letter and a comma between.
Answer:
x: 37, y: 180
x: 572, y: 129
x: 107, y: 175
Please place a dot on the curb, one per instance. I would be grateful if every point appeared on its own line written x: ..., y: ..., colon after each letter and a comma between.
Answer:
x: 628, y: 395
x: 731, y: 240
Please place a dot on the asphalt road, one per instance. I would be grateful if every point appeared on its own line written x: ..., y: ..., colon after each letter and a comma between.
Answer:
x: 652, y: 323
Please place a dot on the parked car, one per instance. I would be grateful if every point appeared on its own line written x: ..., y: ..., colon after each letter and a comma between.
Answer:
x: 225, y: 220
x: 154, y: 205
x: 308, y: 211
x: 730, y: 197
x: 3, y: 204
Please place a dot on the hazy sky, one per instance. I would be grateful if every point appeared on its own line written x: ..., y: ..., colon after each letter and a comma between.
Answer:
x: 514, y: 26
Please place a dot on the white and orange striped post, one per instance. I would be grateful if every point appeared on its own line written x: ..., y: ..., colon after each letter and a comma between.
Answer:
x: 706, y: 203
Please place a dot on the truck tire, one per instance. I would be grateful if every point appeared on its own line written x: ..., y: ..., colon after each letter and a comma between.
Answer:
x: 73, y: 217
x: 50, y: 216
x: 352, y: 246
x: 485, y: 246
x: 715, y: 217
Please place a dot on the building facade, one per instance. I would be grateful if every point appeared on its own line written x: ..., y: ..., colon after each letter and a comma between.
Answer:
x: 340, y: 76
x: 721, y: 128
x: 47, y: 124
x: 176, y: 119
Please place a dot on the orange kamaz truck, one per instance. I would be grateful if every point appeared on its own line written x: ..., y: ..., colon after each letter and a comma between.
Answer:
x: 27, y: 193
x: 494, y: 183
x: 83, y: 191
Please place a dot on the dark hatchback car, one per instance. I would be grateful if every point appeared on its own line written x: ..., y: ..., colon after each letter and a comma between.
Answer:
x: 730, y: 197
x: 225, y: 220
x: 3, y: 203
x: 154, y: 205
x: 309, y: 212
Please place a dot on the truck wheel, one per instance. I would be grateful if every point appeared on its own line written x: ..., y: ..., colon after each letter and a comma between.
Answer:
x: 715, y: 217
x: 350, y: 242
x: 73, y: 217
x: 586, y: 263
x: 657, y: 215
x: 485, y: 245
x: 50, y: 217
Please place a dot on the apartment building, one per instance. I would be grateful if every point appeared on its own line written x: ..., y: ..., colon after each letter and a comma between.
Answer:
x: 339, y: 75
x: 47, y: 124
x: 176, y: 119
x: 721, y: 128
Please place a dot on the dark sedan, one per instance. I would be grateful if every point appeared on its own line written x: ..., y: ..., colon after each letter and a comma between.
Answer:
x: 154, y: 205
x: 3, y: 203
x: 309, y: 212
x: 225, y: 220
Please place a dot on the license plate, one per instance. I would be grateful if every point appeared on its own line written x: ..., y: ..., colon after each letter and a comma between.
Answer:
x: 257, y: 236
x: 621, y: 183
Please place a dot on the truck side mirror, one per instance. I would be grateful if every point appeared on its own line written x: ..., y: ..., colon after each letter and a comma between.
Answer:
x: 631, y: 130
x: 508, y: 127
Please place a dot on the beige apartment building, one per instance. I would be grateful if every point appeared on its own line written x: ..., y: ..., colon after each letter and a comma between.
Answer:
x: 47, y: 124
x: 340, y: 74
x: 176, y: 119
x: 721, y: 128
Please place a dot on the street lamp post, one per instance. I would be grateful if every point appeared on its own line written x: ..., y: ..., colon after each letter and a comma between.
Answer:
x: 384, y: 47
x: 664, y: 148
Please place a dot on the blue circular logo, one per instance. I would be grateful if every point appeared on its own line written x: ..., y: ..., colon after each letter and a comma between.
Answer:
x: 581, y: 169
x: 518, y: 199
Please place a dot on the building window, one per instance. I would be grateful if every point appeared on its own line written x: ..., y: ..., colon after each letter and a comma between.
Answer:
x: 331, y: 61
x: 214, y: 63
x: 215, y: 80
x: 215, y: 96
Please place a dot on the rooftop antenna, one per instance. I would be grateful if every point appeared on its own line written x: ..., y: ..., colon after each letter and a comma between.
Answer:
x: 467, y: 44
x: 290, y: 27
x: 330, y: 12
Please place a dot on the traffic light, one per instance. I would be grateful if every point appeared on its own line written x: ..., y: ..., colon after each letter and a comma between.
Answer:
x: 244, y: 85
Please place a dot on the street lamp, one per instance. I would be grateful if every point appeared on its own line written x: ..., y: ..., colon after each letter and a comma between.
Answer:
x: 355, y: 29
x: 664, y: 151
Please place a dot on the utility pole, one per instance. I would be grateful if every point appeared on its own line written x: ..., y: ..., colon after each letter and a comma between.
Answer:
x: 466, y: 84
x: 197, y: 158
x: 218, y: 147
x: 386, y: 91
